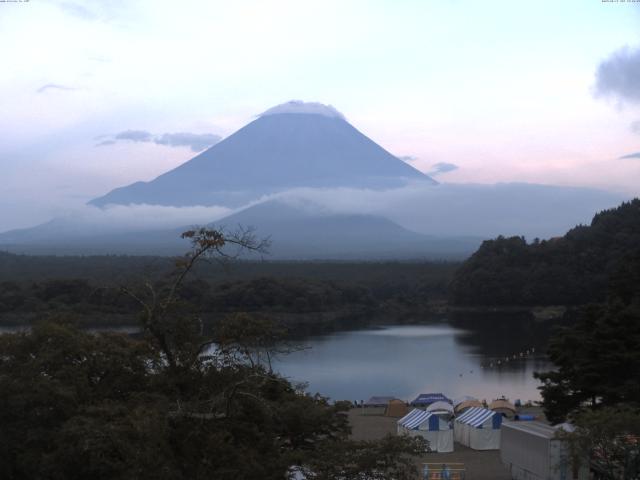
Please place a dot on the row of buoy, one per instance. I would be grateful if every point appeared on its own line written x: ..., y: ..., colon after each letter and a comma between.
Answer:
x: 499, y: 361
x: 508, y: 358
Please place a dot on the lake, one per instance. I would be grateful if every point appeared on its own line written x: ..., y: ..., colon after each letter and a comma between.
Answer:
x: 465, y: 356
x: 404, y: 361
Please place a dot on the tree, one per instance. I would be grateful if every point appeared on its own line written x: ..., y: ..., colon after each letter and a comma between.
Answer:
x: 609, y: 438
x: 597, y: 357
x: 168, y: 405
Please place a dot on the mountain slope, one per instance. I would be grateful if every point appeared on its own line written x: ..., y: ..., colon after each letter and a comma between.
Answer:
x: 273, y: 153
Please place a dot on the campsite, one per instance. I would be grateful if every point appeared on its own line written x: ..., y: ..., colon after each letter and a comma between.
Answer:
x: 469, y: 445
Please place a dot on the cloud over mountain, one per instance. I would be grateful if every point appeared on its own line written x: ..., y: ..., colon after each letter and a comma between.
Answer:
x: 298, y: 106
x: 442, y: 167
x: 197, y: 142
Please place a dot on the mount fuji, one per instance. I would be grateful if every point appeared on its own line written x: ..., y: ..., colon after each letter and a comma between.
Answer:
x: 301, y: 174
x: 291, y: 145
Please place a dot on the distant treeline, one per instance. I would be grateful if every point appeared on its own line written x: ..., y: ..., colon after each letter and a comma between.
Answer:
x: 570, y: 270
x: 308, y: 297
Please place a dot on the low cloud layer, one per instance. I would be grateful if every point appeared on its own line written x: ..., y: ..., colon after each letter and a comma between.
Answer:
x: 619, y: 76
x: 465, y: 209
x: 630, y: 155
x: 140, y: 217
x: 441, y: 167
x: 443, y: 210
x: 196, y: 141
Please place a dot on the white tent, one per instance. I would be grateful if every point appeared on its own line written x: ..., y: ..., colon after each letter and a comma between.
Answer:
x: 429, y: 426
x: 478, y: 428
x: 440, y: 407
x: 533, y: 451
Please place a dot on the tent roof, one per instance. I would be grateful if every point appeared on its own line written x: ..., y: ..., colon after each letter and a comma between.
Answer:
x: 533, y: 428
x: 427, y: 398
x: 379, y: 400
x: 475, y: 416
x: 467, y: 404
x: 414, y: 418
x: 502, y: 404
x: 464, y: 398
x: 439, y: 406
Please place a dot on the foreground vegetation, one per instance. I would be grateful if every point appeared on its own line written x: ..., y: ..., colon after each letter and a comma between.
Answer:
x: 76, y: 405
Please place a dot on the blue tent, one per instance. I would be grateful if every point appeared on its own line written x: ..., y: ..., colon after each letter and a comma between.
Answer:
x: 426, y: 399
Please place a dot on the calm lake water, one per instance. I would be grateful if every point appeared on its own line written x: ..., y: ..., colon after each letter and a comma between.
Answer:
x: 404, y: 361
x: 466, y: 356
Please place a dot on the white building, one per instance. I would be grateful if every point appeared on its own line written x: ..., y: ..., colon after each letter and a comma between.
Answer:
x: 533, y: 451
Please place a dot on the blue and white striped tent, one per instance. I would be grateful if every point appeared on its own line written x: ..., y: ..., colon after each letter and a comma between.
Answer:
x: 478, y: 428
x: 429, y: 426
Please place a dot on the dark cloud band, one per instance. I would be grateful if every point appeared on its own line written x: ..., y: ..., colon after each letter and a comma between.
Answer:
x: 631, y: 155
x: 619, y: 76
x: 54, y: 86
x: 196, y: 141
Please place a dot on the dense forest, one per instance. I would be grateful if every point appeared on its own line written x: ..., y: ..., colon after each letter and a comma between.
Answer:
x: 308, y: 298
x: 569, y: 270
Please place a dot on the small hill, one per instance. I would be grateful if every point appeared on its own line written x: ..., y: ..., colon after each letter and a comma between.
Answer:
x: 305, y: 232
x: 571, y: 270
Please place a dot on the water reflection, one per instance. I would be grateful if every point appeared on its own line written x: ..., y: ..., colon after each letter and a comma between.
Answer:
x: 406, y: 360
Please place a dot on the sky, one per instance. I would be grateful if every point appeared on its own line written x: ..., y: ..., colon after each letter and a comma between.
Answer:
x: 96, y: 95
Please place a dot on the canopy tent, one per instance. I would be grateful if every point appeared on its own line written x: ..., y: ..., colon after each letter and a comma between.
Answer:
x: 440, y: 406
x: 503, y: 407
x: 426, y: 399
x: 396, y: 408
x: 429, y: 426
x: 478, y: 428
x: 466, y: 405
x: 378, y: 401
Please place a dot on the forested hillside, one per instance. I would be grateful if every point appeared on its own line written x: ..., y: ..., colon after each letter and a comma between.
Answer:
x: 307, y: 297
x: 569, y: 270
